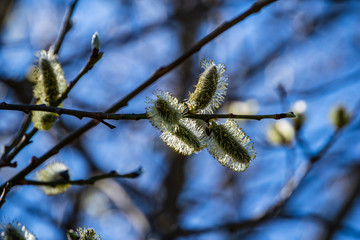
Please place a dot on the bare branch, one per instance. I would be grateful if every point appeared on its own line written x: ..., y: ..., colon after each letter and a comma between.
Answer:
x: 207, y: 117
x: 93, y: 59
x: 65, y: 27
x: 100, y: 116
x: 5, y: 161
x: 92, y: 180
x: 256, y: 7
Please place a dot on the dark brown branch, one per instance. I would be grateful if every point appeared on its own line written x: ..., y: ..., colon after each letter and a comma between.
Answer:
x: 347, y: 205
x: 256, y: 7
x: 207, y: 117
x: 4, y: 161
x: 92, y: 180
x: 100, y: 116
x: 26, y: 140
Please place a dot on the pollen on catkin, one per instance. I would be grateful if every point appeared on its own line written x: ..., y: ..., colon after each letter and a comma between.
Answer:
x: 15, y: 231
x: 49, y: 84
x: 183, y: 135
x: 164, y: 111
x: 83, y: 234
x: 185, y: 138
x: 210, y: 90
x: 230, y: 146
x: 48, y: 78
x: 55, y: 171
x: 43, y: 120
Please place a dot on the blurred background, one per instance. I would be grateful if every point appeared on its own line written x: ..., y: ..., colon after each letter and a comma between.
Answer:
x: 299, y: 55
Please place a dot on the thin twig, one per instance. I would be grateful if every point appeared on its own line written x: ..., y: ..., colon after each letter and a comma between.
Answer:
x: 65, y: 27
x: 5, y: 190
x: 5, y: 162
x: 24, y: 142
x: 18, y: 140
x: 25, y: 138
x: 94, y: 58
x: 92, y: 180
x: 207, y: 117
x: 26, y: 108
x: 256, y: 7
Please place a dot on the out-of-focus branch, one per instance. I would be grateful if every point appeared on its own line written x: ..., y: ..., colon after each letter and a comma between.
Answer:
x: 5, y: 161
x: 284, y: 195
x: 65, y: 27
x: 26, y: 140
x: 256, y: 7
x: 101, y: 115
x: 92, y: 180
x: 347, y: 205
x: 286, y: 192
x: 4, y: 191
x: 349, y: 230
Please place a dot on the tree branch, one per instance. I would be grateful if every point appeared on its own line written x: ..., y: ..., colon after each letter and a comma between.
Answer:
x: 65, y: 27
x: 92, y: 180
x: 26, y: 140
x: 5, y: 161
x: 93, y: 59
x: 285, y: 193
x: 18, y: 141
x: 22, y: 139
x: 100, y: 116
x: 256, y: 7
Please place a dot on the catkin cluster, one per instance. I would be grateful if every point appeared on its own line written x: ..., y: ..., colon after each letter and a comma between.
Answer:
x: 227, y: 143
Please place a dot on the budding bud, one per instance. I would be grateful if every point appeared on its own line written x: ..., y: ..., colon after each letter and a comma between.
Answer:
x: 281, y: 133
x: 56, y: 171
x: 299, y: 109
x: 339, y: 116
x: 95, y: 42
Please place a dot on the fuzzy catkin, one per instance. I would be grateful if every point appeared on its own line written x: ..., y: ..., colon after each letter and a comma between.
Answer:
x: 210, y: 90
x: 230, y: 146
